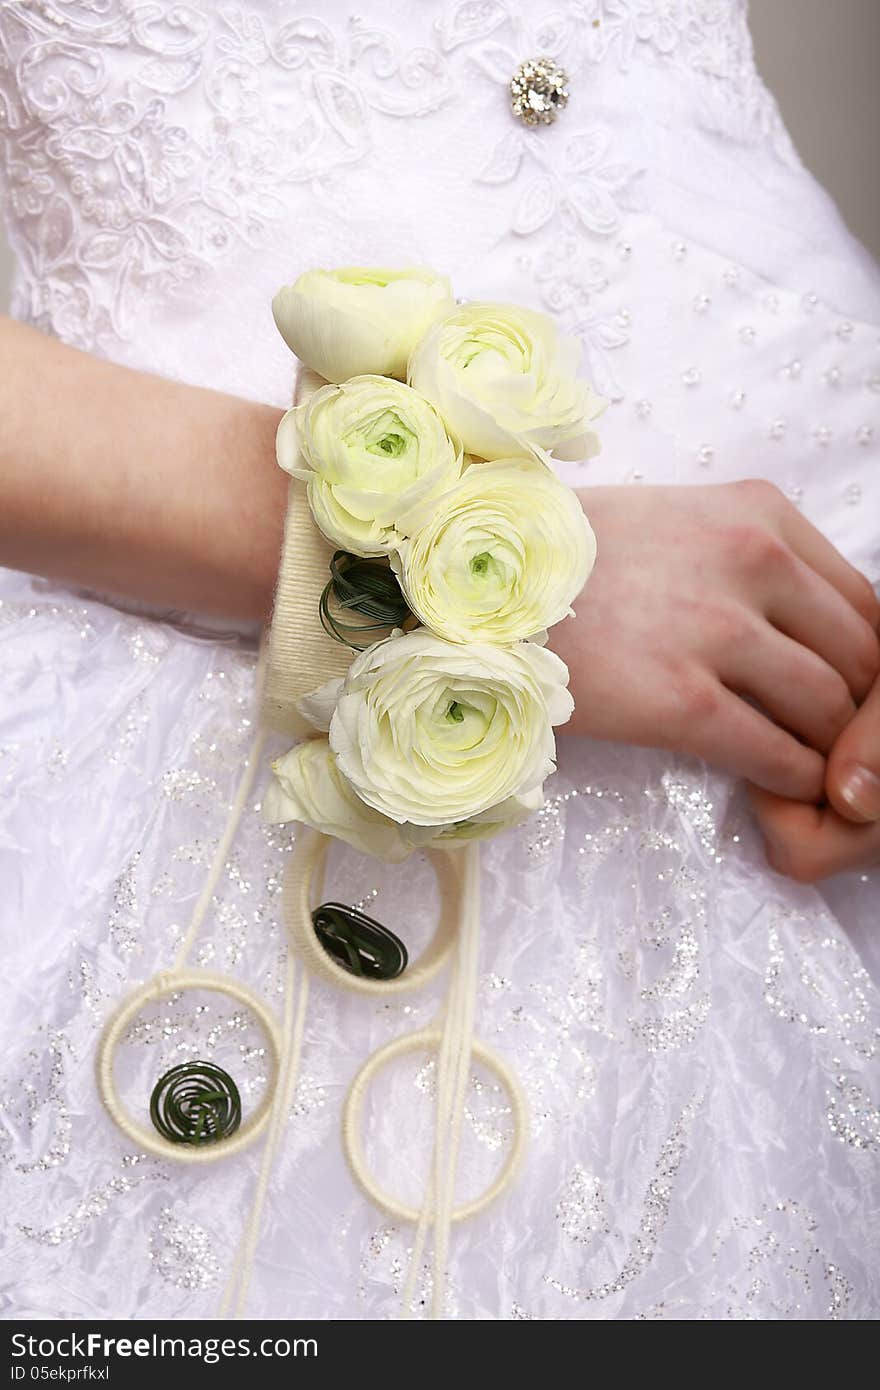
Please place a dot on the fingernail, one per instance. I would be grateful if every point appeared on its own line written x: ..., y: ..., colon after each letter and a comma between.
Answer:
x: 860, y: 789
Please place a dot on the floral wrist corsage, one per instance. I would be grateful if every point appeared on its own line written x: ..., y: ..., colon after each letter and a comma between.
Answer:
x: 455, y: 540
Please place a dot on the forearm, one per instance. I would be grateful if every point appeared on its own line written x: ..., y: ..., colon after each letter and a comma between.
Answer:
x: 134, y: 485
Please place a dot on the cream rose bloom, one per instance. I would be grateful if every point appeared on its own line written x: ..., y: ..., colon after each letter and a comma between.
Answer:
x: 499, y: 557
x: 308, y: 787
x: 506, y: 383
x: 485, y: 826
x: 367, y: 449
x: 347, y: 322
x: 430, y: 732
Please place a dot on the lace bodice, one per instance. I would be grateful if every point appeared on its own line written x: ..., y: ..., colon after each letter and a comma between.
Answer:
x: 149, y: 147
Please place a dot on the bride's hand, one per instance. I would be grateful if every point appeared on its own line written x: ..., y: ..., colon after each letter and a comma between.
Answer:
x: 810, y: 842
x: 702, y: 596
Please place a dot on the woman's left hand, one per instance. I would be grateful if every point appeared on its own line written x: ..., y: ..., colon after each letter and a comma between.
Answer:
x: 809, y: 843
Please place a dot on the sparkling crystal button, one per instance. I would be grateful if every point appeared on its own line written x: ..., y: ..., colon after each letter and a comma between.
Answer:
x: 538, y: 91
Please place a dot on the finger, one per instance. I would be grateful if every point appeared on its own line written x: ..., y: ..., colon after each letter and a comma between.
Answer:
x: 791, y: 683
x: 811, y: 611
x: 731, y: 734
x: 853, y: 777
x: 818, y: 552
x: 808, y: 843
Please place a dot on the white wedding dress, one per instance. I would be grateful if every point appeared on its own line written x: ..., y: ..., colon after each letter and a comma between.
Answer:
x: 696, y: 1036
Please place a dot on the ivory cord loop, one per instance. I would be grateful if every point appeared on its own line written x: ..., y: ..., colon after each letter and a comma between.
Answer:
x: 455, y: 939
x: 296, y: 655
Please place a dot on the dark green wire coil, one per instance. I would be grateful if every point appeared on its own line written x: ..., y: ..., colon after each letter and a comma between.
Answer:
x: 195, y: 1103
x: 359, y: 943
x: 366, y: 587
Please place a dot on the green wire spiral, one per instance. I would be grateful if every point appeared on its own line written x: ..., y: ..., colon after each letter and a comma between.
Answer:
x: 359, y: 943
x: 195, y: 1103
x: 367, y: 587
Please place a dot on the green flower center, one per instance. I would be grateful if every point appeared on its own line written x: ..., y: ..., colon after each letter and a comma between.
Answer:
x: 457, y: 722
x: 480, y: 563
x: 386, y: 436
x: 391, y: 445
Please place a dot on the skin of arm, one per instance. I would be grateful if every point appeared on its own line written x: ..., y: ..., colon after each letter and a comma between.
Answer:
x: 132, y: 485
x: 136, y: 486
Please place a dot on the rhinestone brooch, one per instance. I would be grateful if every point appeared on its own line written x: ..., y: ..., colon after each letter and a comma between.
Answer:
x: 538, y: 91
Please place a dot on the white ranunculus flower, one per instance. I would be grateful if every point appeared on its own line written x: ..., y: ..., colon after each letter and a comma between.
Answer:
x: 499, y: 557
x: 346, y: 322
x: 505, y: 381
x: 431, y: 732
x: 507, y: 813
x: 368, y: 449
x: 308, y: 787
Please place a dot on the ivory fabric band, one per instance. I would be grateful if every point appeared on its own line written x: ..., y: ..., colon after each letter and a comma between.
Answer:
x: 301, y: 655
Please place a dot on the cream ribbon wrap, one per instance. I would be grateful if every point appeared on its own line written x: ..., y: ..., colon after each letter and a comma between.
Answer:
x: 300, y: 654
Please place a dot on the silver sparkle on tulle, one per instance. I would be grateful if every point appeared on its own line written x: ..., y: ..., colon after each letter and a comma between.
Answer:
x: 124, y: 919
x: 138, y: 1170
x: 39, y: 1105
x: 796, y: 981
x: 58, y: 759
x: 852, y: 1115
x: 77, y: 617
x: 600, y: 842
x: 538, y: 91
x: 379, y: 1255
x: 488, y: 1112
x: 546, y: 831
x: 127, y: 731
x: 582, y: 1210
x: 84, y: 981
x: 694, y: 806
x: 234, y: 925
x: 385, y: 1260
x: 782, y: 1269
x: 519, y: 1314
x: 183, y: 1254
x: 186, y: 785
x: 182, y: 1029
x: 684, y: 971
x: 655, y: 1212
x: 147, y: 643
x: 366, y: 901
x: 308, y: 1097
x: 487, y: 1109
x: 674, y: 1030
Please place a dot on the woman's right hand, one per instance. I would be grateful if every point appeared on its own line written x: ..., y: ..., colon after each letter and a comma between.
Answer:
x: 718, y: 622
